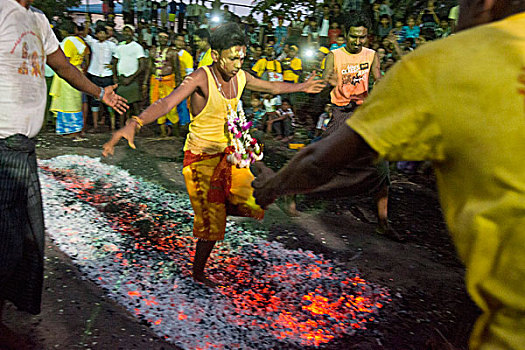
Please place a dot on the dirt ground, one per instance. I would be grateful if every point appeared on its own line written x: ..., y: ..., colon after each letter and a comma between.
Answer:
x: 430, y: 308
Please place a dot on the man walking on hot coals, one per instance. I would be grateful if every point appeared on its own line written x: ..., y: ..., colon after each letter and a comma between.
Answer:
x: 216, y: 186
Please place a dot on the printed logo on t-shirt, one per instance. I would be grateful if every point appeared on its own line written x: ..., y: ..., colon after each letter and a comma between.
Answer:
x: 32, y: 63
x: 353, y: 74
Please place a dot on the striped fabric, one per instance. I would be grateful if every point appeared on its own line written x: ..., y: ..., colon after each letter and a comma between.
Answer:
x: 21, y: 225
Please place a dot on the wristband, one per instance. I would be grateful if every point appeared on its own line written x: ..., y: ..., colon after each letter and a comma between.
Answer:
x: 102, y: 91
x: 138, y: 120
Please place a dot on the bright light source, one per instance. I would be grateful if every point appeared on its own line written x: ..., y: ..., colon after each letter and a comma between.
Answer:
x: 309, y: 53
x: 216, y: 19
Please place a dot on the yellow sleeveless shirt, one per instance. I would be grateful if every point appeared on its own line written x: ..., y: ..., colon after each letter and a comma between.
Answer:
x: 208, y: 131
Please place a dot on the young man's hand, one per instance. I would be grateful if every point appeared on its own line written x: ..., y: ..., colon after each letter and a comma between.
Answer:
x: 313, y: 85
x: 262, y: 192
x: 113, y: 100
x: 127, y: 132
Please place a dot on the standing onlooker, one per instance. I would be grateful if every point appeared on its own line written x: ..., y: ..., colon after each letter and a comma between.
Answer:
x: 129, y: 68
x: 324, y: 28
x: 66, y: 100
x: 22, y: 102
x: 348, y: 69
x: 333, y: 33
x: 100, y: 70
x: 141, y: 8
x: 292, y: 66
x: 280, y: 34
x: 165, y: 76
x: 201, y: 38
x: 186, y: 68
x: 163, y: 5
x: 181, y: 14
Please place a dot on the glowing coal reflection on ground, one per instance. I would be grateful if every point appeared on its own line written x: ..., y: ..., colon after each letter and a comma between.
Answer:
x: 134, y: 239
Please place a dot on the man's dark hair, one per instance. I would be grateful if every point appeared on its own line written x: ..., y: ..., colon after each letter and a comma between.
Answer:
x: 356, y: 20
x: 203, y: 33
x: 286, y: 100
x: 226, y: 36
x: 99, y: 29
x: 384, y: 15
x: 163, y: 31
x: 68, y: 26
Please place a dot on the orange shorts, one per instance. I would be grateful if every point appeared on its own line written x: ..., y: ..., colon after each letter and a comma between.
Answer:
x: 213, y: 200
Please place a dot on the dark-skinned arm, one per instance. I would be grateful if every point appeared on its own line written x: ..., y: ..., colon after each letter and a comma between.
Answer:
x: 376, y: 69
x: 328, y: 73
x: 310, y: 86
x: 161, y: 107
x: 176, y: 66
x: 312, y: 167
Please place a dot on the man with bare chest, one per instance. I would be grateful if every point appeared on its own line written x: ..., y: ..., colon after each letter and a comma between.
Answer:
x: 165, y: 76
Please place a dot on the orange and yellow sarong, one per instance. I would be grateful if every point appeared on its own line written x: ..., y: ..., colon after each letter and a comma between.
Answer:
x: 161, y: 87
x: 217, y: 189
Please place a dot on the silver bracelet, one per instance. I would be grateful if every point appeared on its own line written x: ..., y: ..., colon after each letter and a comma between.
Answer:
x: 102, y: 91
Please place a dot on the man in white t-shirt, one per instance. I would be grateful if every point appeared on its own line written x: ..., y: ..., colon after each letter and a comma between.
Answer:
x: 100, y: 70
x: 128, y: 69
x: 27, y: 43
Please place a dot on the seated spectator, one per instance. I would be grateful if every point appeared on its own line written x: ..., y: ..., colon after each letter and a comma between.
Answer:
x: 323, y: 121
x: 397, y: 31
x: 339, y: 43
x: 443, y: 30
x: 428, y: 18
x: 410, y: 30
x: 283, y: 124
x: 311, y: 31
x: 255, y: 112
x: 271, y: 103
x: 385, y: 26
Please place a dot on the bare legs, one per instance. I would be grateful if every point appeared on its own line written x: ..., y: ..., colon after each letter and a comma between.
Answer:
x: 202, y: 253
x: 384, y: 227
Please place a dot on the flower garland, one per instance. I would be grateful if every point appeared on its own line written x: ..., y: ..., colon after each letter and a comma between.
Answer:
x: 246, y: 148
x: 160, y: 59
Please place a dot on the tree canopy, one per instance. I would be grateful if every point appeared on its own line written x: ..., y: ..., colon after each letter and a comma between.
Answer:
x: 53, y: 8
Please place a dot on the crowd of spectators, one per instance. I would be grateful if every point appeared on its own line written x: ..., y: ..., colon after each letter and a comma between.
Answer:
x: 285, y: 48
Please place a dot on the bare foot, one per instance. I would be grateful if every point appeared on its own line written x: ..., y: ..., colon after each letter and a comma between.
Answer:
x: 207, y: 282
x: 389, y: 232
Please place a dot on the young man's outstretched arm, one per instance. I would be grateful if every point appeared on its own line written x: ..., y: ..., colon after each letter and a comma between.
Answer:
x: 312, y: 167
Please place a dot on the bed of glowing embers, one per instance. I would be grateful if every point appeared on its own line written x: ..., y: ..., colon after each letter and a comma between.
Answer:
x: 133, y: 239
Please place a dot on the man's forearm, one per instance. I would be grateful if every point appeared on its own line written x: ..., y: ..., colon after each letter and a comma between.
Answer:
x: 318, y: 163
x: 78, y: 80
x: 278, y: 88
x: 300, y: 175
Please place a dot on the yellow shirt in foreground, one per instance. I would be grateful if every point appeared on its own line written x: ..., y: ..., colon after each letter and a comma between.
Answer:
x: 456, y: 102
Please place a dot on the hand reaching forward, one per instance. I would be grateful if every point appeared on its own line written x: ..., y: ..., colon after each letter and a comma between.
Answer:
x: 127, y: 132
x: 262, y: 192
x: 113, y: 100
x: 314, y: 86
